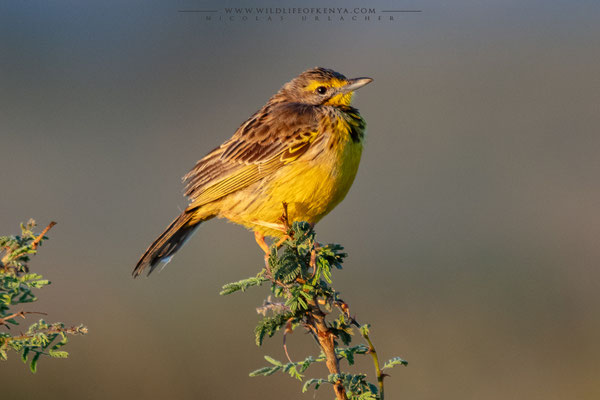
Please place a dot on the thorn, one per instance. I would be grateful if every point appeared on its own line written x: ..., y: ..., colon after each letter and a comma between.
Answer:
x: 288, y: 329
x: 342, y: 305
x: 313, y: 262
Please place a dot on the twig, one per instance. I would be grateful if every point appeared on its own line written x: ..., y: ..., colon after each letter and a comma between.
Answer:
x: 38, y: 239
x: 21, y: 314
x: 74, y: 330
x: 269, y: 305
x: 343, y: 306
x: 372, y: 351
x: 326, y: 341
x: 373, y: 354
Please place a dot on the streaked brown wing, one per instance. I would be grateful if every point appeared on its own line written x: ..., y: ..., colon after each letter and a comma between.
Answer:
x: 271, y: 138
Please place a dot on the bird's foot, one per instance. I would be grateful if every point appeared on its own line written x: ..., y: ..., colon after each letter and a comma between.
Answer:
x: 260, y: 239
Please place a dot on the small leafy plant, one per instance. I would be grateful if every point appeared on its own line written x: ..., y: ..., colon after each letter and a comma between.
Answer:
x: 299, y: 271
x: 17, y: 285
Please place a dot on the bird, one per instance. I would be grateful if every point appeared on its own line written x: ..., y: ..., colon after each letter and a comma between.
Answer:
x: 302, y: 149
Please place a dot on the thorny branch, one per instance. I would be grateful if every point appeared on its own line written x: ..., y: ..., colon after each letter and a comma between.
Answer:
x: 21, y: 314
x: 73, y: 330
x: 37, y: 240
x: 343, y: 306
x: 316, y: 322
x: 16, y: 287
x: 299, y: 270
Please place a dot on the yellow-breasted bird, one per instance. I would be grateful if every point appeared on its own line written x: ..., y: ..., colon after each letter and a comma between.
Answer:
x: 302, y: 148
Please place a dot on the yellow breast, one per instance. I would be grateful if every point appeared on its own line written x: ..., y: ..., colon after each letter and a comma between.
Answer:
x: 312, y: 185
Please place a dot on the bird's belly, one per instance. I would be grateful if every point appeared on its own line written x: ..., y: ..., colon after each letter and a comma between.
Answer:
x: 311, y: 187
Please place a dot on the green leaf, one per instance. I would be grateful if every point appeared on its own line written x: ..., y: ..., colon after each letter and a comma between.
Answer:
x: 292, y: 370
x: 58, y: 354
x: 364, y: 329
x: 394, y: 361
x: 273, y: 361
x: 242, y: 285
x: 265, y: 371
x: 34, y: 361
x: 374, y: 389
x: 349, y: 352
x: 24, y: 355
x: 270, y: 325
x: 316, y: 382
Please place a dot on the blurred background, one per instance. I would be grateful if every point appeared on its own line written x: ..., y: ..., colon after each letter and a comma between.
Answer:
x: 472, y: 226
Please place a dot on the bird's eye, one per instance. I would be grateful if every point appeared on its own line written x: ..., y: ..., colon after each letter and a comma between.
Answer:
x: 321, y: 90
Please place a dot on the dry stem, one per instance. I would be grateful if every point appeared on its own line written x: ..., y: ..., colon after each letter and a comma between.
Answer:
x: 37, y: 240
x: 326, y: 341
x: 21, y: 314
x: 74, y: 330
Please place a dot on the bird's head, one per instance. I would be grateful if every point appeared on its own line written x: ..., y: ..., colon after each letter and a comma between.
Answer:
x: 321, y: 86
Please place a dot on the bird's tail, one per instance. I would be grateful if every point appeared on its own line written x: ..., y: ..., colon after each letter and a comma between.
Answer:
x: 168, y: 243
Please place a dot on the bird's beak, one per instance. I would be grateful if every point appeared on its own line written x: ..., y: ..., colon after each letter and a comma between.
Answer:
x: 354, y: 84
